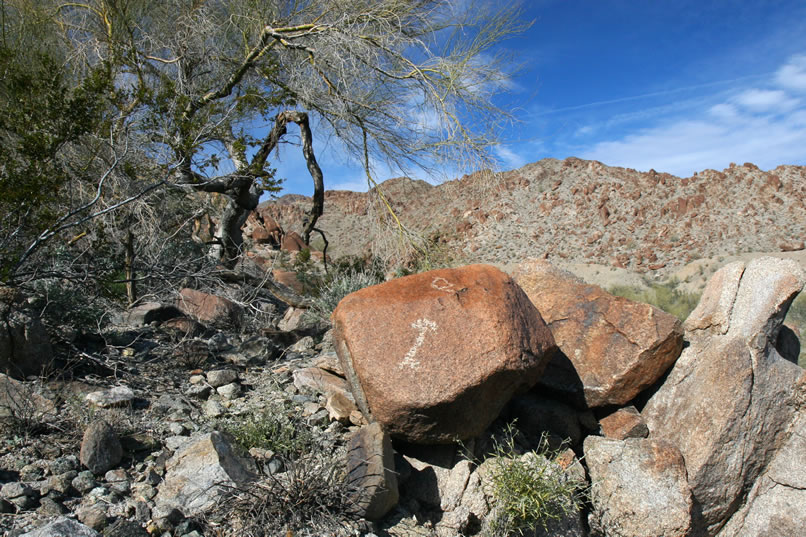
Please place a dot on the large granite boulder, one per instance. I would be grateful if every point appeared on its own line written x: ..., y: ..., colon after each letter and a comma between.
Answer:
x: 435, y: 356
x: 729, y: 398
x: 638, y: 488
x: 775, y: 505
x: 612, y: 348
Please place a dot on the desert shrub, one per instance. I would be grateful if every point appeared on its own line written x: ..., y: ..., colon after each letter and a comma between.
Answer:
x: 276, y: 428
x: 665, y: 296
x: 310, y: 498
x: 529, y: 491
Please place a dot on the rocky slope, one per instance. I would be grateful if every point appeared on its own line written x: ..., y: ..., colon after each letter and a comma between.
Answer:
x: 577, y: 210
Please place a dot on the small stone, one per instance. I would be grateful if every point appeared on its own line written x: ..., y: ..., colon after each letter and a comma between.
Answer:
x: 84, y: 482
x: 117, y: 396
x: 197, y: 379
x: 16, y: 490
x: 93, y: 516
x: 304, y: 345
x: 340, y: 407
x: 199, y: 391
x: 50, y: 507
x: 60, y: 484
x: 177, y: 428
x: 229, y: 391
x: 63, y: 465
x: 221, y: 377
x: 214, y: 409
x: 175, y: 442
x: 100, y: 447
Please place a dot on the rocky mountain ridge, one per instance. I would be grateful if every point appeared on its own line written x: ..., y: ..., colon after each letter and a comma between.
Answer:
x: 580, y: 211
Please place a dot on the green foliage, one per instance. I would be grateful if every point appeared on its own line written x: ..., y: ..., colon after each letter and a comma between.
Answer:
x: 276, y: 428
x: 665, y: 296
x: 344, y: 279
x: 529, y: 491
x: 41, y: 112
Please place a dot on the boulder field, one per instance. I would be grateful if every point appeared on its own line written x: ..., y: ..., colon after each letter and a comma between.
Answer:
x: 672, y: 429
x: 435, y: 357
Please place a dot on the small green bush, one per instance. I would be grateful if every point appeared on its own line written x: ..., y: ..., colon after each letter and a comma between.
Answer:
x: 331, y: 292
x: 274, y: 428
x: 665, y: 296
x: 529, y: 491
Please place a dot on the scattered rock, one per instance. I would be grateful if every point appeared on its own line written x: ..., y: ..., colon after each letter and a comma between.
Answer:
x: 320, y: 381
x: 208, y: 308
x: 100, y: 447
x: 638, y: 489
x: 220, y: 377
x: 371, y: 472
x: 612, y: 348
x: 63, y: 527
x: 200, y: 473
x: 435, y: 356
x: 117, y: 396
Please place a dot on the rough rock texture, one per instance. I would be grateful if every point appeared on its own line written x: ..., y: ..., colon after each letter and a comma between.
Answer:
x: 116, y: 396
x: 728, y: 399
x: 100, y: 448
x: 292, y: 242
x: 639, y: 488
x: 612, y: 348
x: 24, y: 344
x: 371, y: 470
x: 624, y: 423
x: 289, y: 279
x: 775, y: 505
x: 199, y: 473
x: 63, y: 527
x: 208, y: 308
x: 435, y: 356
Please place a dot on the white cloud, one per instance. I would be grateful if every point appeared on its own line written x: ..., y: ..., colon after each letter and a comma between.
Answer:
x: 793, y: 74
x: 761, y: 125
x: 508, y: 158
x: 356, y: 185
x: 758, y: 100
x: 724, y: 111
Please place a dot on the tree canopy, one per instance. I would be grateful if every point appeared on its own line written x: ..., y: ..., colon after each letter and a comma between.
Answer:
x: 196, y: 95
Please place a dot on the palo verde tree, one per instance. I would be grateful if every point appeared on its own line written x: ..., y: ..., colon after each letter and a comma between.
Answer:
x: 206, y: 90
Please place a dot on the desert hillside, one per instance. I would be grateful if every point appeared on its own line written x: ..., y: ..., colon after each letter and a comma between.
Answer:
x: 574, y: 211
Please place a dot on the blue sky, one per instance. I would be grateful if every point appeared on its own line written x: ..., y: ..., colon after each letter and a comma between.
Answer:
x: 678, y: 86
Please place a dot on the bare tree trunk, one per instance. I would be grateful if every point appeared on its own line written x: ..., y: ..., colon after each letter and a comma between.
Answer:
x: 131, y: 284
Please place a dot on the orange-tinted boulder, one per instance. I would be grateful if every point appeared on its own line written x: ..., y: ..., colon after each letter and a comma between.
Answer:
x: 612, y: 348
x: 207, y: 308
x: 434, y: 357
x: 292, y: 242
